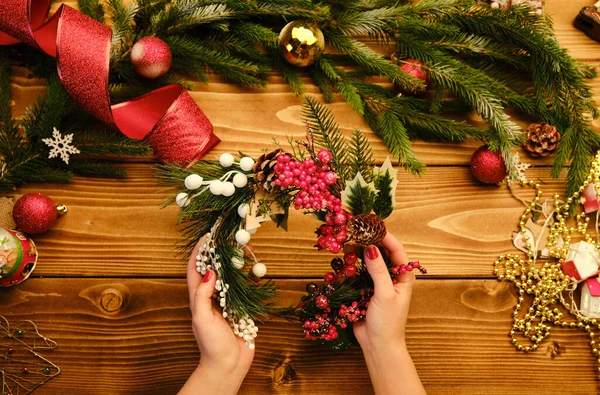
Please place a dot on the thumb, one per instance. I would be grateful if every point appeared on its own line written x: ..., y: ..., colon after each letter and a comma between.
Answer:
x: 204, y: 293
x: 378, y: 270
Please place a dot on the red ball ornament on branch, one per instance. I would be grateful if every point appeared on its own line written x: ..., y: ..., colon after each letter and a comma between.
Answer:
x: 488, y: 166
x: 151, y: 57
x: 415, y: 68
x: 36, y: 213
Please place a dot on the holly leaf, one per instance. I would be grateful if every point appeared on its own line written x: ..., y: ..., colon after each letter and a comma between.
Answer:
x: 359, y: 197
x: 385, y: 181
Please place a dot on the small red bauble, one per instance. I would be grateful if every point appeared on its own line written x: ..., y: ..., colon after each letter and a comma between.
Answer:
x: 34, y: 213
x: 151, y: 57
x: 350, y: 258
x: 350, y: 271
x: 488, y: 166
x: 329, y: 277
x: 415, y: 68
x: 325, y: 156
x: 322, y: 302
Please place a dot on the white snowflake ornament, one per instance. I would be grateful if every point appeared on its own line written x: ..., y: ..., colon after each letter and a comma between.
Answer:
x: 60, y: 146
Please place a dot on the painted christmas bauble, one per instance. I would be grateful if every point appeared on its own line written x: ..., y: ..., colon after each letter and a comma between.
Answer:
x: 414, y: 68
x: 488, y: 166
x: 301, y: 43
x: 18, y: 257
x: 151, y: 57
x: 35, y: 213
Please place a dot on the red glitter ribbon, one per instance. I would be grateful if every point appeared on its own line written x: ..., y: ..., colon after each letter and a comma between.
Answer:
x: 167, y: 118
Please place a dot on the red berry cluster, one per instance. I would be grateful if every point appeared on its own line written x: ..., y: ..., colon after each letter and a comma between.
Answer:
x: 402, y: 269
x: 320, y: 327
x: 342, y: 267
x: 314, y: 179
x: 357, y: 311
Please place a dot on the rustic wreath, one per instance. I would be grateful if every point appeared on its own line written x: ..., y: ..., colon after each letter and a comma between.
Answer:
x: 223, y: 202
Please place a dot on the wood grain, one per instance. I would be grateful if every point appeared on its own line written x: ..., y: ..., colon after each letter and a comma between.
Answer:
x: 452, y: 224
x: 109, y: 287
x: 457, y: 335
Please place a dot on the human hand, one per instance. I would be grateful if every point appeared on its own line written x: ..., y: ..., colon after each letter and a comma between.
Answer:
x: 224, y: 357
x: 387, y: 313
x: 382, y: 334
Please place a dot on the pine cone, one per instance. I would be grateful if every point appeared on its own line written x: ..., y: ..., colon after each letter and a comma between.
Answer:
x: 542, y: 139
x: 366, y: 229
x: 264, y: 172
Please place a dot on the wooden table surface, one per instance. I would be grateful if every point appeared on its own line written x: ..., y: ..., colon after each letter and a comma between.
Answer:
x: 111, y: 291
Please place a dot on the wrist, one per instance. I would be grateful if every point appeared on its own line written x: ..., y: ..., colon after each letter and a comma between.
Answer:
x: 221, y: 381
x: 381, y: 354
x: 381, y: 349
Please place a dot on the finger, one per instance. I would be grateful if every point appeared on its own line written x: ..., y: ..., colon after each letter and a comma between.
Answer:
x: 203, y: 295
x: 395, y: 249
x: 398, y: 257
x: 378, y: 270
x: 193, y: 277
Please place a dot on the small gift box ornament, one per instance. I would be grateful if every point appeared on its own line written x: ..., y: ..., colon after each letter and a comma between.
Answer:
x: 590, y: 298
x: 589, y: 199
x: 581, y: 262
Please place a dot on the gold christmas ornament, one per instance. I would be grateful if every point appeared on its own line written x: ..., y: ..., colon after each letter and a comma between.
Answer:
x: 301, y: 43
x: 546, y: 294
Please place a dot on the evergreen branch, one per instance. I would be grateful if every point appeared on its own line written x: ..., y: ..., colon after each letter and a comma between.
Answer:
x: 92, y: 8
x: 122, y: 17
x: 97, y: 168
x: 47, y: 112
x: 232, y: 69
x: 289, y: 73
x: 359, y: 22
x: 327, y: 134
x: 181, y: 16
x: 323, y: 82
x: 366, y: 57
x: 395, y: 136
x: 360, y: 156
x: 105, y: 141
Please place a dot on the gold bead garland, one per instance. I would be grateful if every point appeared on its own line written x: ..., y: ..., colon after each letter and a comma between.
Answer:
x: 546, y: 283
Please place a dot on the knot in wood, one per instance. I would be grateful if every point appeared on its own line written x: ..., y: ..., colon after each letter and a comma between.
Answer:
x: 284, y: 372
x: 111, y: 300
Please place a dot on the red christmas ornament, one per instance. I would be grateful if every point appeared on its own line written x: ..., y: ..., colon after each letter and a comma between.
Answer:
x: 151, y: 57
x: 488, y: 166
x: 18, y: 257
x: 415, y: 68
x: 35, y: 213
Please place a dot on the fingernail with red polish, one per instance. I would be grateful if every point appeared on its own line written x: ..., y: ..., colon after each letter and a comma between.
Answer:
x: 372, y: 252
x: 207, y: 277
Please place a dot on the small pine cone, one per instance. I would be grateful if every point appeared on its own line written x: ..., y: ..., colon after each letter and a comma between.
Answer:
x: 542, y: 139
x: 264, y: 171
x: 366, y: 229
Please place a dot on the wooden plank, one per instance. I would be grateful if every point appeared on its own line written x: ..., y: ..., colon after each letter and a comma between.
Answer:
x: 450, y: 222
x: 457, y: 335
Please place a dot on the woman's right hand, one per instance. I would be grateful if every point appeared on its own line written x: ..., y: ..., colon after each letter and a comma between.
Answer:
x: 388, y: 309
x: 382, y: 334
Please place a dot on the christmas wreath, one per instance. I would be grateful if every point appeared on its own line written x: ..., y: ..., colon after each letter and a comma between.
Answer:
x: 327, y: 175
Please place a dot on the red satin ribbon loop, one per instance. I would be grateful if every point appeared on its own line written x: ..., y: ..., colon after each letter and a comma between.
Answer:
x: 168, y: 118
